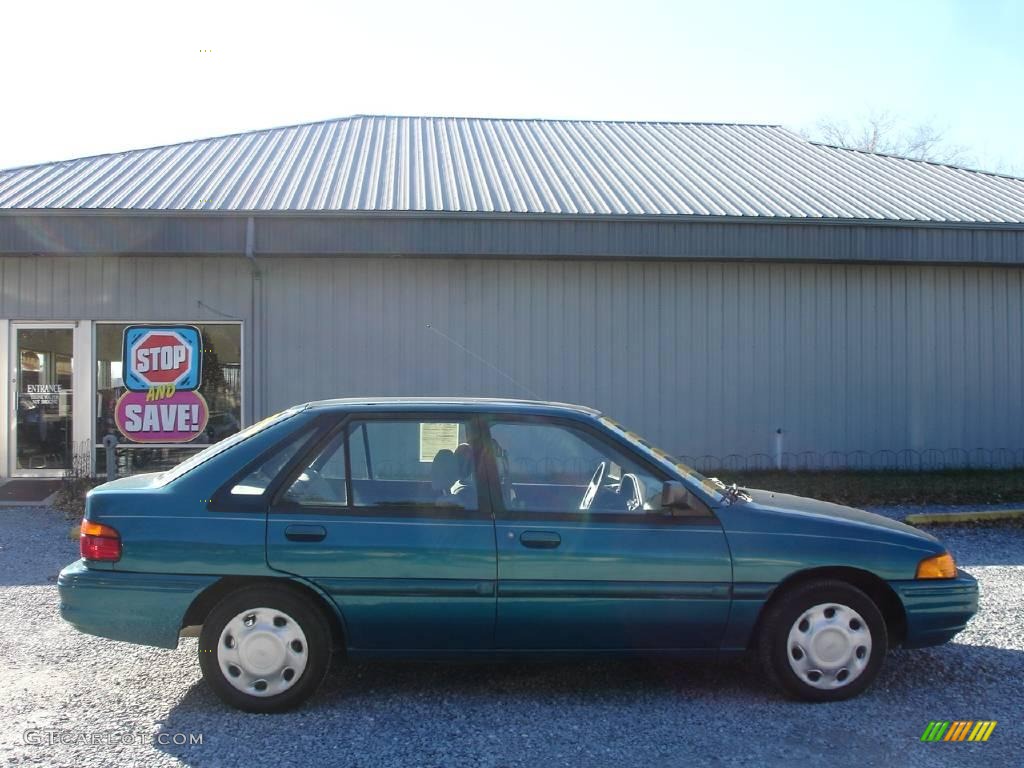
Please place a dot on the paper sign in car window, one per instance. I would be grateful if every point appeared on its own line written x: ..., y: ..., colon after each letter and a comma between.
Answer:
x: 435, y: 437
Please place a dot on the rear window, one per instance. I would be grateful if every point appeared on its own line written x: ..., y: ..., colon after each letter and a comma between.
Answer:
x: 218, y: 448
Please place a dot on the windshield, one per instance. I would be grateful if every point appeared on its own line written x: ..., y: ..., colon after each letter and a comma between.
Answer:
x: 218, y: 448
x: 709, y: 486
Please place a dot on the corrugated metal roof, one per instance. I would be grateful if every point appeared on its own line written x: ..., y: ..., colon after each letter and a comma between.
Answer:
x: 561, y: 167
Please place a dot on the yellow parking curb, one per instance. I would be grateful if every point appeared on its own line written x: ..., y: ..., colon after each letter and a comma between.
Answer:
x: 967, y: 516
x: 76, y: 531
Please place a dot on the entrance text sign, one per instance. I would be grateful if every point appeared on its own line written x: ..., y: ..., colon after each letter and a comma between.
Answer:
x: 43, y: 394
x: 162, y: 369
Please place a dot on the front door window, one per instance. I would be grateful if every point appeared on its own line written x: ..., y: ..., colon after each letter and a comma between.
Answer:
x: 43, y: 400
x: 553, y: 468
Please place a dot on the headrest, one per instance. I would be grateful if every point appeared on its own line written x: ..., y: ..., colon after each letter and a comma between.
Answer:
x: 444, y: 470
x: 464, y: 456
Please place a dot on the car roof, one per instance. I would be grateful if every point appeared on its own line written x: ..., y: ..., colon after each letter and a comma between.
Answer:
x: 461, y: 404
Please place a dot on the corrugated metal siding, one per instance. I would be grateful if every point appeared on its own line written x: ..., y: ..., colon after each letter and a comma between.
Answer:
x: 118, y: 234
x: 855, y: 362
x: 471, y: 165
x: 68, y: 288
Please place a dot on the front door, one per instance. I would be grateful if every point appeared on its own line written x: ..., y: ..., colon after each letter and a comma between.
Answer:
x: 41, y: 400
x: 587, y: 558
x: 384, y: 516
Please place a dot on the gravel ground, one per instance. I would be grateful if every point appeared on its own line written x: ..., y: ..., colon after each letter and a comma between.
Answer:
x: 588, y: 714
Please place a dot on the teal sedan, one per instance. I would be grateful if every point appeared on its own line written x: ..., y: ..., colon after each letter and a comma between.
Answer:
x: 462, y: 528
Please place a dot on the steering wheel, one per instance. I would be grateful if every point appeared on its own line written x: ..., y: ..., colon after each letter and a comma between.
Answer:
x: 594, y: 487
x: 631, y: 492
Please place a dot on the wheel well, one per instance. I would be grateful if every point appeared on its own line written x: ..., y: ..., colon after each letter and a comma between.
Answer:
x: 213, y: 594
x: 881, y: 594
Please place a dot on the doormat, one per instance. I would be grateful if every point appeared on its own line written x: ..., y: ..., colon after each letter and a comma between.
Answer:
x: 27, y: 490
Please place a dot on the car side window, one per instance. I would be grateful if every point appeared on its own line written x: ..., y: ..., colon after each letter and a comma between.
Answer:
x: 256, y: 482
x: 392, y: 463
x: 557, y: 468
x: 323, y: 480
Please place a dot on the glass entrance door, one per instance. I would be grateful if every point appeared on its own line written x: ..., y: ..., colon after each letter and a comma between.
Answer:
x: 42, y: 400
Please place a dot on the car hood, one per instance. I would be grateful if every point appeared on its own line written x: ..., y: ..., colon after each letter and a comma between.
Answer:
x: 812, y: 508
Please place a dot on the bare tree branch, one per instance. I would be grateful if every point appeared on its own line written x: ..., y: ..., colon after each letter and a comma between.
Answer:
x: 883, y: 132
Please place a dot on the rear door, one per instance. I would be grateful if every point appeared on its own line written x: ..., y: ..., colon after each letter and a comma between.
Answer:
x: 587, y: 558
x: 384, y: 516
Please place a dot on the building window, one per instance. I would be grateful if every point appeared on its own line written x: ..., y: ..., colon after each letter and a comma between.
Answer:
x: 221, y: 387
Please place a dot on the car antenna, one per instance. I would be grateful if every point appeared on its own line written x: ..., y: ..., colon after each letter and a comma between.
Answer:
x: 488, y: 363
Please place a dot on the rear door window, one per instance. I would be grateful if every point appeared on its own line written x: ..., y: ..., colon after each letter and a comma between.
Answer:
x: 376, y: 464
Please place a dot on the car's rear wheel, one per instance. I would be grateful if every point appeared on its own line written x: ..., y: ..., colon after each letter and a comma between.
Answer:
x: 823, y: 641
x: 265, y: 648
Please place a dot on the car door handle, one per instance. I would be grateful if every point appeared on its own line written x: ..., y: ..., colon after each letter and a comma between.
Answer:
x: 305, y: 533
x: 540, y: 539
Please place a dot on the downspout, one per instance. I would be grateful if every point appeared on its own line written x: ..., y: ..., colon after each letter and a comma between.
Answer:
x: 256, y: 322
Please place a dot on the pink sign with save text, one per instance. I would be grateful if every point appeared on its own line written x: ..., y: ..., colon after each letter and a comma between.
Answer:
x: 177, y: 418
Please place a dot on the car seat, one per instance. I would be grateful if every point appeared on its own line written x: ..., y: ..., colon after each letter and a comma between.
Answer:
x: 444, y: 472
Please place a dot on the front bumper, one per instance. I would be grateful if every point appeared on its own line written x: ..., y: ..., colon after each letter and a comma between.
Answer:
x: 936, y: 609
x: 143, y: 608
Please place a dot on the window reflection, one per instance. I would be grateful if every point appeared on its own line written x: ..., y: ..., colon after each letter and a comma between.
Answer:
x: 44, y: 399
x: 221, y: 386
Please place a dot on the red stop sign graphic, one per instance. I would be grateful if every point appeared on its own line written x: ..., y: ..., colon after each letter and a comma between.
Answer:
x: 162, y: 358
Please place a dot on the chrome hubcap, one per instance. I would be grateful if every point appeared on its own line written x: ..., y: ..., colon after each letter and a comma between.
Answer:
x: 262, y: 651
x: 829, y: 646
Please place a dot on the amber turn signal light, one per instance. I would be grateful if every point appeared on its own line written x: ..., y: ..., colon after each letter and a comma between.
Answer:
x: 89, y: 528
x: 937, y: 567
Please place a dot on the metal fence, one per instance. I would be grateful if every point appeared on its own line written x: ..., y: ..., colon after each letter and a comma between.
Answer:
x: 907, y: 459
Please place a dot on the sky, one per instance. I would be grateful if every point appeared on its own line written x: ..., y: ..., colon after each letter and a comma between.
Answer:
x: 85, y: 78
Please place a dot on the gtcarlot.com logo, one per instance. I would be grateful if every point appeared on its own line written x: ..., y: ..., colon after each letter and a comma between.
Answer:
x: 53, y: 736
x: 958, y: 730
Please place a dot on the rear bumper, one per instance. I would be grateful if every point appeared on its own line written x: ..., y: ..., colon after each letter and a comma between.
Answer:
x: 937, y: 609
x: 143, y: 608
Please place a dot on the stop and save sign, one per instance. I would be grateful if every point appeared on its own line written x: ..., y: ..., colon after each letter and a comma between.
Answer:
x: 157, y: 355
x: 162, y: 370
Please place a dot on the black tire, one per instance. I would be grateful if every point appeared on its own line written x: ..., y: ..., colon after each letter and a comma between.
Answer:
x: 303, y: 611
x: 783, y: 614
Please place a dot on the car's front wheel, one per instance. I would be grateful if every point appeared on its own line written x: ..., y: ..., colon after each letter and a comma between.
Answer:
x: 265, y: 648
x: 823, y: 641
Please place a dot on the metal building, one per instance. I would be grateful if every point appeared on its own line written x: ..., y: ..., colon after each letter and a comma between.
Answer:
x: 708, y: 285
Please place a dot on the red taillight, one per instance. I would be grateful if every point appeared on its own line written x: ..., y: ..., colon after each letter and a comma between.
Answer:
x: 99, y: 542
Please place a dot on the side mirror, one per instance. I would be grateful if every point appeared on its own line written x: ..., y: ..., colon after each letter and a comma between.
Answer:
x: 674, y: 495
